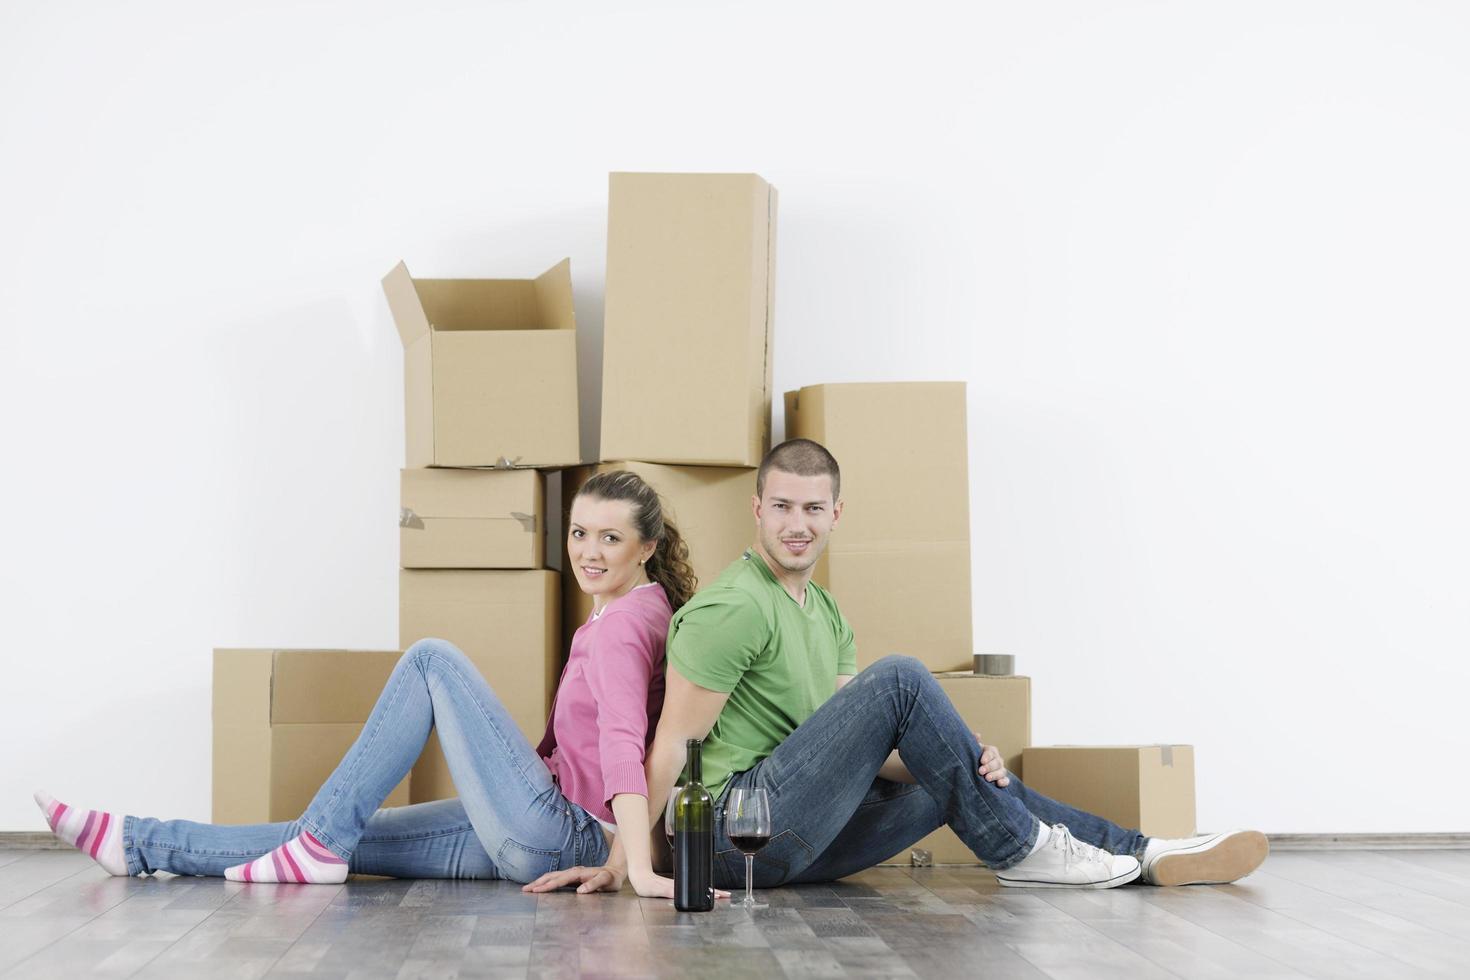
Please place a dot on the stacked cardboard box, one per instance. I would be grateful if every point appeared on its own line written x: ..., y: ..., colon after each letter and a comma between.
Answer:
x: 283, y: 719
x: 899, y: 559
x: 490, y: 388
x: 1144, y: 787
x: 686, y: 391
x: 687, y: 330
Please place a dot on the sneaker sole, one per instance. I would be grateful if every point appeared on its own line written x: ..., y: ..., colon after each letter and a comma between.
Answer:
x: 1121, y: 879
x: 1228, y: 859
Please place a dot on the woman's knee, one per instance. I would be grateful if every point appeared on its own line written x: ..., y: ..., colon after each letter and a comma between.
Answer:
x: 430, y: 648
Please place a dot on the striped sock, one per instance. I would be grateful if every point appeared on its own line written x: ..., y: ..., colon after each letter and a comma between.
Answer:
x: 301, y: 860
x: 96, y: 833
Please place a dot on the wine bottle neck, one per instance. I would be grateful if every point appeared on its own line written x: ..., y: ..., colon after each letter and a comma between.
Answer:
x: 691, y: 764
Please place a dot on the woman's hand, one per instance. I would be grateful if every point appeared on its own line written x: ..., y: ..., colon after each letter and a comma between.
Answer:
x: 650, y: 885
x: 657, y: 886
x: 586, y: 880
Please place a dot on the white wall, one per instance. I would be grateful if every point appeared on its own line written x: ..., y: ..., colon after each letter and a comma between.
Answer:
x: 1202, y: 265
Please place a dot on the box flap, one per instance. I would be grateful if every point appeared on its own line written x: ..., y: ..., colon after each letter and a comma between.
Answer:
x: 403, y: 299
x: 553, y: 290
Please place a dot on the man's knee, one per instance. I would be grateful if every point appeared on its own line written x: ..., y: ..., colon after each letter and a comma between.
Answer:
x: 898, y: 667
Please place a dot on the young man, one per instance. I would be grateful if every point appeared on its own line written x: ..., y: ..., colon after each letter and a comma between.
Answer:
x: 761, y: 667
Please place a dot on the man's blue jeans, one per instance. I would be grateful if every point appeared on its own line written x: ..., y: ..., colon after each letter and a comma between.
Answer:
x: 510, y: 821
x: 832, y: 816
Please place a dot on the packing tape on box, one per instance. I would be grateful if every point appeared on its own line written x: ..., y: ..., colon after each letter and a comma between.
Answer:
x: 995, y: 664
x: 528, y: 521
x: 506, y: 463
x: 1166, y: 753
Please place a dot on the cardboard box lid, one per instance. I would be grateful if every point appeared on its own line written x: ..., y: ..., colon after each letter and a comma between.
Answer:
x: 269, y: 687
x: 476, y: 494
x: 421, y: 306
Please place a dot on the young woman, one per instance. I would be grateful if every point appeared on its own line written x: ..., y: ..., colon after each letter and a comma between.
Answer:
x: 522, y: 812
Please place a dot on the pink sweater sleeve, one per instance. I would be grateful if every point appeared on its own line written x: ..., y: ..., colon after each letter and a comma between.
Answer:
x: 619, y: 672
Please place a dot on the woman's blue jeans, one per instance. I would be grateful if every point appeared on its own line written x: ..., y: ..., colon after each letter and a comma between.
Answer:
x: 510, y: 821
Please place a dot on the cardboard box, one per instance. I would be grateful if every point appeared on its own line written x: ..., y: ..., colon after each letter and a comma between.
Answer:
x: 687, y: 329
x: 898, y: 561
x: 506, y: 622
x: 489, y: 369
x: 472, y: 519
x: 711, y: 505
x: 1147, y: 787
x: 999, y: 708
x: 283, y: 719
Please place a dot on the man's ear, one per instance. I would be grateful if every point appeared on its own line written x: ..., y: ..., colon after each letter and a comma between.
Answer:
x: 836, y: 513
x: 755, y: 506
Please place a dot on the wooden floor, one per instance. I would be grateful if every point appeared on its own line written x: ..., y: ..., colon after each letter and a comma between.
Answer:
x: 1370, y: 914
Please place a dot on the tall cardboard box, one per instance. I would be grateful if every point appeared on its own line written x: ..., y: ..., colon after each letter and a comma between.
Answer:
x: 898, y: 561
x: 505, y: 622
x: 472, y: 519
x: 1144, y: 787
x: 282, y: 721
x: 687, y: 330
x: 999, y: 708
x: 489, y: 369
x: 711, y: 505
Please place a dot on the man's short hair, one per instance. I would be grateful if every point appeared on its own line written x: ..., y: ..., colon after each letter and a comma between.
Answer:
x: 802, y: 457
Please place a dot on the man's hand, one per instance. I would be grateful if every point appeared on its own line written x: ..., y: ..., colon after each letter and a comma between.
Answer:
x: 992, y: 766
x: 587, y: 880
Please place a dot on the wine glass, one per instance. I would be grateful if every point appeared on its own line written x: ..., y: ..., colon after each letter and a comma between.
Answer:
x: 748, y: 825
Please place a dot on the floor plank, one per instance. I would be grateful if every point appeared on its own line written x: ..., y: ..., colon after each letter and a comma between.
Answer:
x: 1377, y: 914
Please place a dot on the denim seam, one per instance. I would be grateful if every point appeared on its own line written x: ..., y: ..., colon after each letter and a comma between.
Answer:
x: 427, y: 835
x: 130, y: 847
x: 1023, y: 846
x: 208, y: 852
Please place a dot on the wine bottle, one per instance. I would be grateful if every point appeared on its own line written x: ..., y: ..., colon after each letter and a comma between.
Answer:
x: 694, y: 839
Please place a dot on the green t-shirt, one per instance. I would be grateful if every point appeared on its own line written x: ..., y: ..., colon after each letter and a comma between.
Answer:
x: 745, y: 636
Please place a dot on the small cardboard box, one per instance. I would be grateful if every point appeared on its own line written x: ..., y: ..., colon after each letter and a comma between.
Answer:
x: 506, y: 623
x: 898, y: 561
x: 472, y: 519
x: 1144, y: 787
x: 711, y: 506
x: 999, y: 708
x: 489, y: 369
x: 283, y: 719
x: 686, y: 357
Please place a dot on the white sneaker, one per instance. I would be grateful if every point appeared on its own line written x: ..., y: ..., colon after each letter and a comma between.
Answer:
x: 1210, y: 859
x: 1065, y: 862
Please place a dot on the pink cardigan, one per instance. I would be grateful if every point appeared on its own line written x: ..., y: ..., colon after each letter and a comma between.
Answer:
x: 608, y: 701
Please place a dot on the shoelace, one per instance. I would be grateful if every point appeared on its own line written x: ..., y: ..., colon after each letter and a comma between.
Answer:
x: 1072, y: 849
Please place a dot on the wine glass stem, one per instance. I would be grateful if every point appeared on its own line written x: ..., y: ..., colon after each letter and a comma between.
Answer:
x: 749, y: 875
